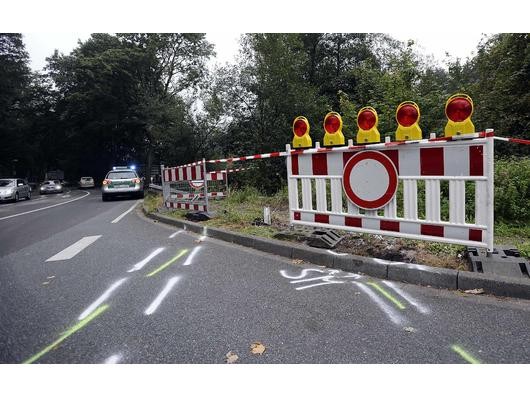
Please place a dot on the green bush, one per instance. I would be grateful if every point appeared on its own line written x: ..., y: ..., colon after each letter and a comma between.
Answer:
x: 512, y: 190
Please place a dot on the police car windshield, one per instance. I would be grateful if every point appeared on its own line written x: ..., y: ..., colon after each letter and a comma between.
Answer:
x: 121, y: 175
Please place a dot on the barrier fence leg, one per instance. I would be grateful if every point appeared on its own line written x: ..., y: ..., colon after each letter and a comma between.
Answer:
x: 165, y: 185
x: 491, y: 191
x: 205, y: 185
x: 292, y: 185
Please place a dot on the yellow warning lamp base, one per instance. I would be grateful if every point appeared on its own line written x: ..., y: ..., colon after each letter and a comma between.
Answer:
x: 369, y: 136
x: 412, y: 132
x: 336, y: 139
x: 302, y: 141
x: 459, y: 128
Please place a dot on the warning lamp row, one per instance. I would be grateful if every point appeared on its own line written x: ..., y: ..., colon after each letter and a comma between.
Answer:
x: 458, y: 110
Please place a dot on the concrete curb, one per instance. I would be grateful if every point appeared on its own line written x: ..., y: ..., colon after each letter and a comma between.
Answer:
x: 410, y: 273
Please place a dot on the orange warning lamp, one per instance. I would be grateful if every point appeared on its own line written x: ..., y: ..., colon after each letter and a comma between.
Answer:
x: 301, y: 137
x: 458, y: 110
x: 367, y: 121
x: 408, y: 117
x: 333, y: 129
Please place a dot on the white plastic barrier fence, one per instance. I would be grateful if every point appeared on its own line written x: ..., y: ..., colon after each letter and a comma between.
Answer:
x: 189, y: 186
x: 177, y: 182
x: 355, y: 188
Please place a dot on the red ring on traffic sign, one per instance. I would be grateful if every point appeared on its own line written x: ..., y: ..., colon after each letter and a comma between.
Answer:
x: 390, y: 168
x: 196, y: 184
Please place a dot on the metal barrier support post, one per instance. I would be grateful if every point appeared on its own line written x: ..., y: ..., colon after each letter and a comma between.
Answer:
x: 165, y: 185
x: 205, y: 178
x: 490, y: 200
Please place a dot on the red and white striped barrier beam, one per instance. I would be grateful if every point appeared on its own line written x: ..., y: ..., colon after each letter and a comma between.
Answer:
x: 392, y: 227
x: 512, y: 140
x: 348, y: 188
x: 235, y: 170
x: 199, y: 195
x: 218, y: 175
x: 249, y: 157
x: 183, y: 173
x: 189, y: 206
x: 221, y: 174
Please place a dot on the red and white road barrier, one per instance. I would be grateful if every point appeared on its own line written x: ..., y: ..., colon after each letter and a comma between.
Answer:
x: 183, y: 173
x: 362, y: 182
x: 199, y: 195
x: 513, y: 140
x: 249, y: 157
x: 189, y: 206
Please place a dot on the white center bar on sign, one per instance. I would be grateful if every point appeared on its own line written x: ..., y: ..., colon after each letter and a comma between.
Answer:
x: 74, y: 249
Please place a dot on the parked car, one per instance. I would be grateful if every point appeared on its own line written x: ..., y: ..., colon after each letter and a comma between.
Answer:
x: 122, y: 180
x: 14, y: 189
x: 51, y: 186
x: 86, y: 182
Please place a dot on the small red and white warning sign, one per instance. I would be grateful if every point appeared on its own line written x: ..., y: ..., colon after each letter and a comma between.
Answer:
x: 370, y: 179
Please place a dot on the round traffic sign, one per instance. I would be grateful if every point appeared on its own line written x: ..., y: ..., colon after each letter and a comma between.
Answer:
x: 370, y: 179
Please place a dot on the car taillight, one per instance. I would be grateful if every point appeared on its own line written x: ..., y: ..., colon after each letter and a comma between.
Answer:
x: 105, y: 182
x: 137, y: 181
x: 459, y: 109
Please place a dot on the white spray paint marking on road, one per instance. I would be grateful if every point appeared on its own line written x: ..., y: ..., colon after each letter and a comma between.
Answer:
x: 101, y: 298
x: 394, y: 316
x: 192, y: 255
x: 303, y: 274
x: 124, y: 213
x: 175, y: 234
x: 412, y: 301
x: 331, y: 277
x: 202, y: 238
x: 154, y: 305
x: 74, y: 249
x: 46, y: 207
x: 139, y: 265
x: 114, y: 359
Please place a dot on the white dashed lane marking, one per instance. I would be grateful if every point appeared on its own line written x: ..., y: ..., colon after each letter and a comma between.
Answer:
x: 74, y: 249
x: 124, y: 213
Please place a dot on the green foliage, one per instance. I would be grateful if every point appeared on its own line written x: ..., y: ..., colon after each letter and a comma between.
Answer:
x: 512, y: 190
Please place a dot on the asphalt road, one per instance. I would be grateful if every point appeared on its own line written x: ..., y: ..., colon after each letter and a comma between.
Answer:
x: 88, y: 281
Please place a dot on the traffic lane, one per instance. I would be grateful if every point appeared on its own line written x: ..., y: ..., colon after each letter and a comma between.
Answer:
x: 238, y: 299
x: 241, y: 301
x: 39, y: 297
x: 36, y: 201
x: 27, y: 229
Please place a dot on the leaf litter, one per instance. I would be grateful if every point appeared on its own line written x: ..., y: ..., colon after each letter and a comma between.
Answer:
x: 231, y: 357
x: 257, y: 348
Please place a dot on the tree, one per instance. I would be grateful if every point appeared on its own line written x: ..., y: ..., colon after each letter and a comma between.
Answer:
x: 14, y: 81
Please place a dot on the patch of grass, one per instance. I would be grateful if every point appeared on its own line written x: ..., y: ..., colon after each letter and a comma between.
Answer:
x: 152, y: 202
x: 517, y: 235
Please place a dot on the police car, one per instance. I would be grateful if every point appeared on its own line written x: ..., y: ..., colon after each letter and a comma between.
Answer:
x: 122, y: 180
